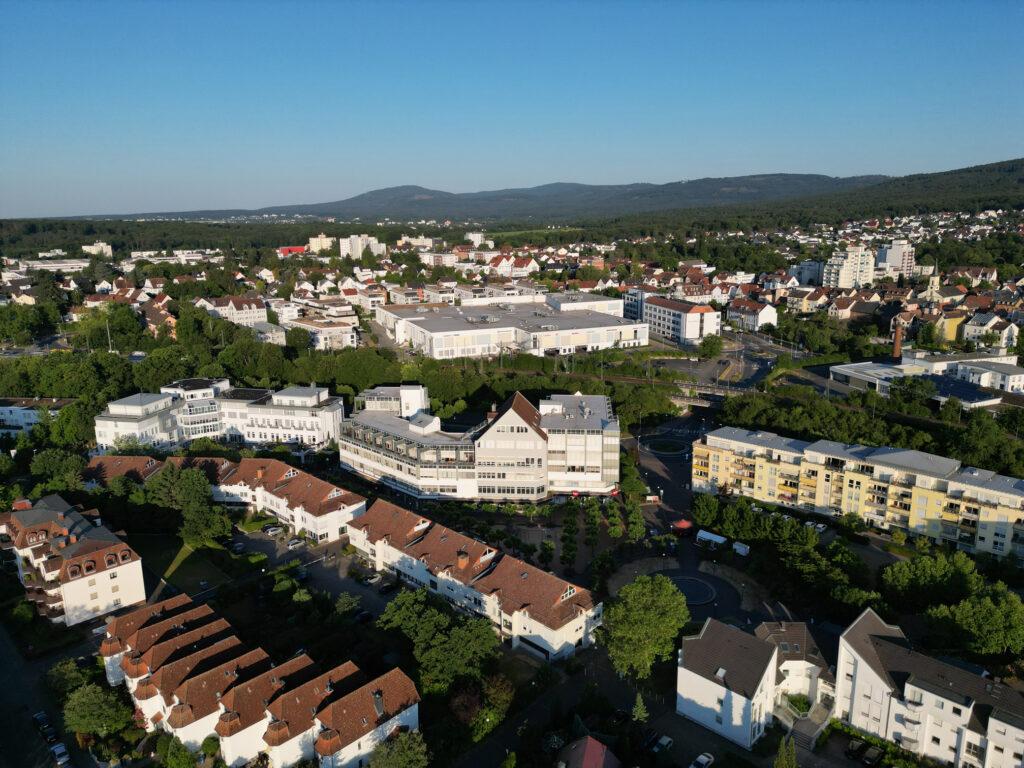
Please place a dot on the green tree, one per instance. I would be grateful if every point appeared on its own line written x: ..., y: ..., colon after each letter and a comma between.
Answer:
x: 705, y: 510
x: 786, y: 756
x: 297, y: 339
x: 97, y: 711
x: 406, y: 749
x: 347, y: 603
x: 547, y: 553
x: 989, y: 623
x: 178, y: 755
x: 640, y: 714
x: 710, y: 347
x: 642, y: 624
x: 66, y: 676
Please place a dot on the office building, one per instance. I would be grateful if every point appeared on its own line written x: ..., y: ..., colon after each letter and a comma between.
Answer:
x: 681, y: 321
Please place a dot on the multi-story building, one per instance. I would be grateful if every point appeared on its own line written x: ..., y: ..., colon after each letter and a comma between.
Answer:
x: 73, y: 568
x: 327, y: 333
x: 851, y: 268
x: 534, y: 610
x: 569, y: 445
x: 898, y: 258
x: 190, y: 676
x: 594, y: 302
x: 20, y: 414
x: 240, y: 310
x: 99, y: 248
x: 191, y: 408
x: 751, y: 315
x: 321, y: 243
x: 973, y: 509
x: 807, y: 272
x: 928, y: 707
x: 988, y: 325
x: 681, y: 321
x: 443, y: 332
x: 353, y: 247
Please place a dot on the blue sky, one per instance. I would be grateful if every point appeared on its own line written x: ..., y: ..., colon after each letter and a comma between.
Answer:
x: 143, y: 106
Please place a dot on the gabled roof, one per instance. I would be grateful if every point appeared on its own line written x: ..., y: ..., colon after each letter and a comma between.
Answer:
x: 198, y: 695
x: 120, y: 628
x: 550, y: 600
x: 246, y: 703
x: 357, y: 713
x: 728, y: 656
x: 523, y: 409
x: 293, y: 712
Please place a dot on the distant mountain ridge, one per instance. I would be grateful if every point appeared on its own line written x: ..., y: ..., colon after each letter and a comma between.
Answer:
x: 560, y: 200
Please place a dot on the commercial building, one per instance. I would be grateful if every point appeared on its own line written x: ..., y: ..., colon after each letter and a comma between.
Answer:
x: 851, y: 268
x: 72, y: 567
x: 532, y: 609
x: 522, y: 453
x: 928, y: 707
x: 927, y: 495
x: 681, y: 321
x: 190, y: 408
x: 443, y: 332
x: 577, y: 300
x: 190, y: 676
x: 20, y: 414
x: 297, y: 499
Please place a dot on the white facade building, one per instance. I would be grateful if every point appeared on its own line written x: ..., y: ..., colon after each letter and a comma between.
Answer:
x: 534, y: 610
x: 352, y: 247
x: 20, y: 414
x: 239, y: 310
x: 569, y: 445
x: 930, y: 708
x: 681, y: 321
x: 99, y: 248
x: 852, y: 268
x: 191, y: 408
x: 321, y: 243
x: 898, y: 258
x: 73, y: 568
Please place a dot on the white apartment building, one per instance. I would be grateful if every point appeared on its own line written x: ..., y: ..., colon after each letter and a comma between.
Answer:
x: 808, y: 272
x: 72, y: 567
x: 191, y: 408
x: 99, y: 248
x: 326, y: 333
x: 929, y: 707
x: 751, y: 315
x: 681, y: 321
x: 569, y: 445
x: 284, y: 309
x: 534, y: 610
x: 352, y: 247
x: 989, y: 324
x: 321, y: 243
x: 20, y: 414
x: 433, y: 259
x: 1002, y: 376
x: 851, y: 268
x: 898, y: 258
x: 240, y: 310
x: 445, y: 332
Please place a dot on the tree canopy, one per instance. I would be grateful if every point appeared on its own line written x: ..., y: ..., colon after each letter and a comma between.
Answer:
x: 642, y: 624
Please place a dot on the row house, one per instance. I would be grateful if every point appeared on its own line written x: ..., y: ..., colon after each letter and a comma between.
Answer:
x: 298, y: 499
x: 190, y: 676
x: 533, y: 609
x: 72, y: 567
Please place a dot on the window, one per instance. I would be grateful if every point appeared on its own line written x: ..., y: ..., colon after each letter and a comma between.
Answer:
x: 113, y: 574
x: 936, y: 740
x: 93, y: 596
x: 957, y: 711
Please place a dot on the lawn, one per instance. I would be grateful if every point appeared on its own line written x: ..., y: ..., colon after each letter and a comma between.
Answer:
x: 165, y: 555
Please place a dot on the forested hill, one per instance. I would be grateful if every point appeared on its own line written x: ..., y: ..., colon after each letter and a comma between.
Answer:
x: 555, y: 202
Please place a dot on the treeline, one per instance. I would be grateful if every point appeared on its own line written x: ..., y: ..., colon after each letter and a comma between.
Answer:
x: 978, y: 440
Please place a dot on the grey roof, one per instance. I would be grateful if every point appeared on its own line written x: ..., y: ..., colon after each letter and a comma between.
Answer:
x: 527, y: 317
x: 1004, y: 368
x: 578, y: 412
x: 142, y: 398
x: 744, y: 658
x: 298, y: 391
x: 190, y: 384
x: 394, y: 425
x: 760, y: 438
x: 885, y: 649
x: 914, y: 461
x: 795, y: 643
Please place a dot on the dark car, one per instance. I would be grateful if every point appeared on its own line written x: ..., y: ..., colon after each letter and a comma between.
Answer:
x: 50, y: 734
x: 387, y: 587
x: 855, y: 749
x: 364, y: 617
x: 872, y: 757
x: 42, y: 720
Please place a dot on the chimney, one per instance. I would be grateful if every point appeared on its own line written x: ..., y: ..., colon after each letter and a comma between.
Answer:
x: 259, y: 473
x: 897, y: 342
x: 463, y: 559
x: 72, y: 538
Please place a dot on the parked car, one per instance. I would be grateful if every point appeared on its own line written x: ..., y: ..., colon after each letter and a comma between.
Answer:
x: 664, y: 744
x: 855, y: 749
x: 238, y: 547
x: 387, y: 587
x: 60, y: 754
x: 266, y: 528
x: 872, y: 757
x: 274, y: 530
x: 703, y: 760
x: 821, y: 527
x: 364, y: 617
x: 373, y: 578
x: 41, y: 720
x: 50, y: 734
x: 296, y: 544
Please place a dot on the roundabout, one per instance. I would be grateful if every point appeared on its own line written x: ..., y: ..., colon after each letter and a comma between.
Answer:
x: 695, y: 590
x: 663, y: 446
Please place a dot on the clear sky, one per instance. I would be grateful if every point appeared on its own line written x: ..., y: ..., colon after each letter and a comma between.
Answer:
x: 154, y: 106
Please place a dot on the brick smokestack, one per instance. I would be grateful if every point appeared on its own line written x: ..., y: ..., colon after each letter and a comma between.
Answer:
x: 897, y: 343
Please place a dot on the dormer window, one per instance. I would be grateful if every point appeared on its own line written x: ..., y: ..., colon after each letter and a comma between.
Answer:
x: 290, y: 474
x: 126, y: 555
x: 89, y: 566
x: 569, y: 592
x: 74, y: 572
x: 110, y: 560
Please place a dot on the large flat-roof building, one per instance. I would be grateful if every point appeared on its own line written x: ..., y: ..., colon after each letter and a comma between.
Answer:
x: 924, y: 494
x: 569, y: 445
x: 442, y: 331
x: 185, y: 410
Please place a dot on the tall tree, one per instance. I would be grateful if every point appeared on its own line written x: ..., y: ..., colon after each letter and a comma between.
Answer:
x: 642, y: 624
x: 98, y: 711
x: 406, y: 749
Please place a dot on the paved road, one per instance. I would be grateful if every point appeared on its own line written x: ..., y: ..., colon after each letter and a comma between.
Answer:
x: 22, y: 692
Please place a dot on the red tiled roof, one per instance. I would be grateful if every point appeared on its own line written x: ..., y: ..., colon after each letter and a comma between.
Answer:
x: 198, y: 695
x: 544, y: 596
x: 356, y: 714
x: 121, y: 628
x: 294, y: 711
x: 246, y: 703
